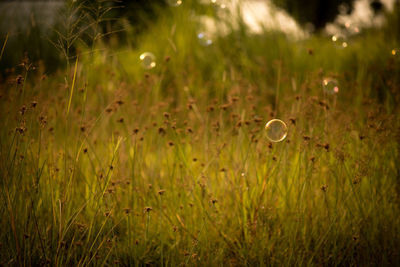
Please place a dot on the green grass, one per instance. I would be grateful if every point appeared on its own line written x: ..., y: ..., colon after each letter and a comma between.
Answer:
x: 108, y: 164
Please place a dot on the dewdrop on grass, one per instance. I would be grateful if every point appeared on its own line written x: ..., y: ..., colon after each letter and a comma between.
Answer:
x: 276, y: 130
x: 330, y: 85
x: 148, y: 60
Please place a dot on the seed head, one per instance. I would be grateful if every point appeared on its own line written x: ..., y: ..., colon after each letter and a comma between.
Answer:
x: 161, y: 192
x: 210, y: 108
x: 161, y: 131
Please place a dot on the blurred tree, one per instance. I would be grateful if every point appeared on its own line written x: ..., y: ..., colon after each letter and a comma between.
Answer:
x: 139, y: 12
x: 317, y: 12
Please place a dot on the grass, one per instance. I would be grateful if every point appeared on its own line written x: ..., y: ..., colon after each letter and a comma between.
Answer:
x: 109, y: 164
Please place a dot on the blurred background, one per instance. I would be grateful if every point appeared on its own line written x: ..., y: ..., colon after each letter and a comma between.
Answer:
x: 34, y: 28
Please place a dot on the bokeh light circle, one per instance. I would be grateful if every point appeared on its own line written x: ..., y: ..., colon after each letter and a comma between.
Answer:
x: 276, y: 130
x: 204, y: 39
x: 148, y: 60
x: 330, y: 85
x: 339, y: 41
x: 174, y: 2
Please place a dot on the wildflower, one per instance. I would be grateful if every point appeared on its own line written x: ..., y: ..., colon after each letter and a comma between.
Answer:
x: 225, y: 106
x: 161, y: 131
x: 148, y: 209
x: 258, y: 119
x: 234, y: 98
x: 110, y: 191
x: 210, y: 108
x: 19, y: 79
x: 20, y: 130
x: 234, y: 116
x: 326, y: 146
x: 22, y: 110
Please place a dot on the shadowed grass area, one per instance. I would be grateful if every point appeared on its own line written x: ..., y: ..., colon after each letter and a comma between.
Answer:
x: 107, y: 163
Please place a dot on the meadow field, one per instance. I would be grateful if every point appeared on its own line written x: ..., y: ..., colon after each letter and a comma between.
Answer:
x: 104, y: 162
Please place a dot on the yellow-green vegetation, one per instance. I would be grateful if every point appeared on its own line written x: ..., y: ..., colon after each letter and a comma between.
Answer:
x: 108, y: 163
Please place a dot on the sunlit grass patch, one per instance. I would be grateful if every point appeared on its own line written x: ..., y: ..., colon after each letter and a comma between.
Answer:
x: 172, y: 163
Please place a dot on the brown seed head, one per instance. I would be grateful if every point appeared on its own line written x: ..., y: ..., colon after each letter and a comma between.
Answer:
x: 161, y: 131
x: 161, y: 192
x: 210, y: 108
